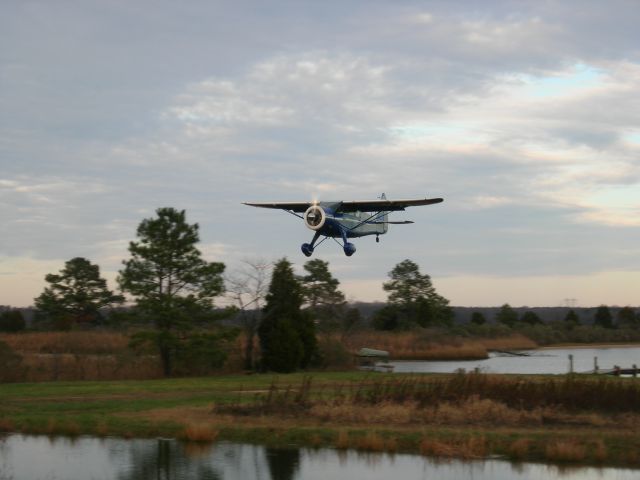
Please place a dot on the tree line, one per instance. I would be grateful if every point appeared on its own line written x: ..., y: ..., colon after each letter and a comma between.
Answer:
x: 172, y: 290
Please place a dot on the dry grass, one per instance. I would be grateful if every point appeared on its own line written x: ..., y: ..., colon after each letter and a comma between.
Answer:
x: 79, y: 355
x: 77, y: 342
x: 484, y: 411
x: 571, y: 393
x: 422, y: 345
x: 7, y: 425
x: 315, y: 441
x: 466, y: 447
x: 197, y: 450
x: 342, y: 441
x: 352, y: 413
x: 566, y: 451
x: 104, y: 355
x: 371, y: 442
x: 69, y: 428
x: 519, y: 449
x: 600, y: 453
x: 474, y: 411
x: 102, y: 429
x: 40, y: 367
x: 199, y: 433
x: 456, y: 400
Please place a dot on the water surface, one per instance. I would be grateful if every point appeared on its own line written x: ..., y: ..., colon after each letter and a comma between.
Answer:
x: 552, y: 360
x: 39, y: 457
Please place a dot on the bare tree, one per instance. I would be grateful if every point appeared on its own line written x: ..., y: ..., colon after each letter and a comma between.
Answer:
x: 247, y: 287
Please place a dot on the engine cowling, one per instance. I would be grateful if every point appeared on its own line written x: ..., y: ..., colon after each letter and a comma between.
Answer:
x: 314, y: 217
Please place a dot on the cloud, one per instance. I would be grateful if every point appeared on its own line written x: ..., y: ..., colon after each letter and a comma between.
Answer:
x: 522, y: 115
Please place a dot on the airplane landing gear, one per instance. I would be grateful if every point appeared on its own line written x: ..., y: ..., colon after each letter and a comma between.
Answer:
x: 349, y: 249
x: 307, y: 248
x: 377, y: 238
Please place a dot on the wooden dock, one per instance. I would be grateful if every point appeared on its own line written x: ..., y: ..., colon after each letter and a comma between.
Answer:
x: 616, y: 371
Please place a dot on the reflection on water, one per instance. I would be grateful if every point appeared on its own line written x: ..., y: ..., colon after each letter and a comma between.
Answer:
x: 283, y: 463
x: 161, y: 460
x: 36, y: 457
x: 554, y: 361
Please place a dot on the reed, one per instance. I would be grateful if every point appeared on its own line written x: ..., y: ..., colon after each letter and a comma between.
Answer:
x: 342, y: 440
x: 461, y: 399
x: 68, y: 428
x: 102, y: 429
x: 199, y: 433
x: 38, y: 367
x: 430, y: 345
x: 600, y: 452
x: 468, y: 447
x: 570, y: 392
x: 566, y: 451
x: 7, y: 425
x: 519, y: 449
x: 371, y: 442
x: 87, y: 342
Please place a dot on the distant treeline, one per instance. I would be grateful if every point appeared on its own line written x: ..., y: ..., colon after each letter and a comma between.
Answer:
x: 461, y: 315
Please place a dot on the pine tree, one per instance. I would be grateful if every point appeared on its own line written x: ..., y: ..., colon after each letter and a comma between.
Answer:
x: 173, y: 286
x: 477, y: 318
x: 627, y: 317
x: 603, y: 317
x: 507, y: 315
x: 572, y: 319
x: 320, y: 291
x: 76, y: 294
x: 531, y: 318
x: 287, y: 334
x: 12, y: 321
x: 412, y: 300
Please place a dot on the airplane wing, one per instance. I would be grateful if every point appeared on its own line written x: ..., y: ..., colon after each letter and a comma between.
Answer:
x: 383, y: 205
x: 291, y: 206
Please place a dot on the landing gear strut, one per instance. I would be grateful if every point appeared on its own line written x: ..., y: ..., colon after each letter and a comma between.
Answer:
x: 307, y: 248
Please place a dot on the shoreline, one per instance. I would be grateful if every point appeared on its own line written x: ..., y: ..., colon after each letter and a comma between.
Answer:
x: 207, y: 409
x: 589, y: 345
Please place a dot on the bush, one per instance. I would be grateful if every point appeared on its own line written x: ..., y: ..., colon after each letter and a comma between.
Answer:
x: 334, y: 354
x: 12, y: 369
x: 12, y: 321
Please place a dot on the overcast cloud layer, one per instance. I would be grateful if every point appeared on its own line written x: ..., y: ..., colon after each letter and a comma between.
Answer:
x: 524, y: 116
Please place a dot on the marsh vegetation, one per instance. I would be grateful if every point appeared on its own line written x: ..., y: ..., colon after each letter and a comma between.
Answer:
x: 567, y: 419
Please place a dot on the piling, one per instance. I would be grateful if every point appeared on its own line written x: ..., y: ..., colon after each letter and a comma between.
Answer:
x: 570, y: 363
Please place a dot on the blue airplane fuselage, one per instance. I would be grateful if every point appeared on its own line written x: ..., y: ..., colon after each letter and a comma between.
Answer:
x: 353, y: 225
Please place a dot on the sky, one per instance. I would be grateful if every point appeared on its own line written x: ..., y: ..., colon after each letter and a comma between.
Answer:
x: 523, y: 115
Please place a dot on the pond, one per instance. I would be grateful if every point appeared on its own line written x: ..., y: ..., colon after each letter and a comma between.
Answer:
x: 39, y: 457
x: 545, y: 360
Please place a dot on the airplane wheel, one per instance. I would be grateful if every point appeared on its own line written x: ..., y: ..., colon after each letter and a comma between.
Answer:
x: 349, y: 249
x: 306, y: 249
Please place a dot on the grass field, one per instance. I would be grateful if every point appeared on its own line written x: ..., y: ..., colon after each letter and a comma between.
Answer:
x: 542, y: 418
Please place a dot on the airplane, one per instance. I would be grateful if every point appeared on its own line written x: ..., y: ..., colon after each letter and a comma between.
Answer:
x: 346, y: 219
